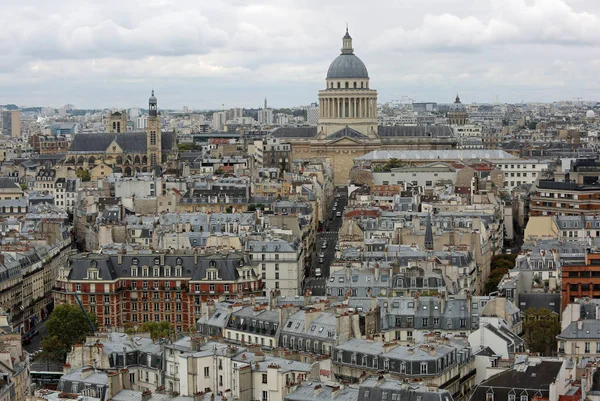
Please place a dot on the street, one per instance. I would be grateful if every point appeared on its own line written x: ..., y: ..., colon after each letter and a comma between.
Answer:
x: 330, y: 234
x: 36, y: 344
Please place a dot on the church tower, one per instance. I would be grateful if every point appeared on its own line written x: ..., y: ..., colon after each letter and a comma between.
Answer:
x: 153, y: 134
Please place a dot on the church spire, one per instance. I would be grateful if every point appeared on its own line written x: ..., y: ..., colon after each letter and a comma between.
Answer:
x: 457, y: 99
x: 347, y: 43
x: 152, y: 105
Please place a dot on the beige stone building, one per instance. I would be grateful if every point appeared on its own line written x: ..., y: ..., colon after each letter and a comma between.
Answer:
x: 347, y: 126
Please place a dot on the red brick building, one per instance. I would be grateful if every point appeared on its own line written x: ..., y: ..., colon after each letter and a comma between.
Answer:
x: 581, y: 281
x: 125, y: 290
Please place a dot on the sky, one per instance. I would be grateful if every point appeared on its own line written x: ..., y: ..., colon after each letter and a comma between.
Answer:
x: 213, y: 54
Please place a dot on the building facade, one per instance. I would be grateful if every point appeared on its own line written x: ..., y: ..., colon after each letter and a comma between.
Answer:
x: 128, y: 290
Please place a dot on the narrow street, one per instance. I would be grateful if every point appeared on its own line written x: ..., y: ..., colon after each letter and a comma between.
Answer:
x: 330, y: 235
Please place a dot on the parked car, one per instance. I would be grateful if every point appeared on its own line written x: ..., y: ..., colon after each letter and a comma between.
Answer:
x: 339, y: 214
x: 320, y: 260
x: 318, y: 272
x: 324, y: 245
x: 321, y: 255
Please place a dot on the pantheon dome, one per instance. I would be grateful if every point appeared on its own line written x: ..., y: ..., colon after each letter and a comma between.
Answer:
x: 347, y: 65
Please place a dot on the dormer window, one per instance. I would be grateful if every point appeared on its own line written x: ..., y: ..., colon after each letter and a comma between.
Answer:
x: 157, y: 261
x: 212, y: 263
x: 135, y: 261
x: 179, y: 261
x: 241, y: 262
x: 167, y: 271
x: 134, y: 272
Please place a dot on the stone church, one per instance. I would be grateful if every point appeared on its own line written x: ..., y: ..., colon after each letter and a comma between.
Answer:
x: 347, y: 126
x: 129, y: 152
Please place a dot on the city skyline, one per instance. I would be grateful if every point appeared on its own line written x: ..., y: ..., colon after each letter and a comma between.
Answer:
x: 532, y: 51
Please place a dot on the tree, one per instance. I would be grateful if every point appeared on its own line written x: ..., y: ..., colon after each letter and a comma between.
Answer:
x: 499, y: 266
x: 228, y: 210
x: 251, y: 207
x: 67, y: 325
x: 541, y: 326
x: 84, y: 175
x: 23, y: 187
x: 186, y: 147
x: 157, y: 330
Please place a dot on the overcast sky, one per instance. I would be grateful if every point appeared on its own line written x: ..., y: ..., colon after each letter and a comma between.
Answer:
x: 205, y: 53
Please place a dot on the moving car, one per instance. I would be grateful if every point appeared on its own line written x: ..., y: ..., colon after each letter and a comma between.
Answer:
x: 324, y: 245
x: 322, y: 255
x: 318, y: 272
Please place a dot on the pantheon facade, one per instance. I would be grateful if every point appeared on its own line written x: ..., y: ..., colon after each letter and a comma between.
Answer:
x: 347, y: 126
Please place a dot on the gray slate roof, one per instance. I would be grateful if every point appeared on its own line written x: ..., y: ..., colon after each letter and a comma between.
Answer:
x: 588, y: 329
x: 130, y: 142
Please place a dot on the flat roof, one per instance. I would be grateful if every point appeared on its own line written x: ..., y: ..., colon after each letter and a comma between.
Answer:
x: 449, y: 154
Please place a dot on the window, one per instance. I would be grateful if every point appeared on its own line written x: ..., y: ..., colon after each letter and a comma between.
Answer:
x: 264, y: 378
x: 511, y: 397
x: 366, y: 394
x: 587, y: 348
x: 425, y: 322
x: 489, y: 396
x: 152, y: 138
x: 523, y: 397
x: 423, y: 368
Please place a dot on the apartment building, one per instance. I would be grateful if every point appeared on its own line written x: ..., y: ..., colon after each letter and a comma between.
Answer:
x: 129, y: 289
x: 281, y: 264
x: 193, y: 366
x: 446, y: 365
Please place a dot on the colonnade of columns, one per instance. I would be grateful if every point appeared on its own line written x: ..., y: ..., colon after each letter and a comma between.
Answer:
x: 348, y: 107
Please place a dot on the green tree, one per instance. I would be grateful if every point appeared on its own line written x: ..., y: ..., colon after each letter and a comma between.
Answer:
x: 157, y: 330
x: 229, y: 210
x: 186, y: 147
x: 499, y: 266
x: 67, y: 325
x: 251, y: 208
x: 23, y: 187
x: 84, y: 175
x: 541, y: 326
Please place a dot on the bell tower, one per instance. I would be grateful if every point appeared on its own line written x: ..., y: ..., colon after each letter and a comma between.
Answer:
x: 153, y: 134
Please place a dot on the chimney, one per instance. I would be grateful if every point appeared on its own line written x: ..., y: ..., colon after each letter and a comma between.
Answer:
x: 85, y: 372
x: 309, y: 316
x: 120, y: 258
x: 580, y: 324
x: 377, y: 271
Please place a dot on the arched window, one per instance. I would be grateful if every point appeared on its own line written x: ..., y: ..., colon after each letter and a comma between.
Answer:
x: 362, y: 85
x: 339, y: 85
x: 354, y: 84
x: 346, y: 85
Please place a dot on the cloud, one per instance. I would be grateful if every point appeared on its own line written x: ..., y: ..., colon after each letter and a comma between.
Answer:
x: 240, y: 51
x: 512, y: 22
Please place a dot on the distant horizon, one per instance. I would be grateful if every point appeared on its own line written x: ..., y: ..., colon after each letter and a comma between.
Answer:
x: 582, y: 102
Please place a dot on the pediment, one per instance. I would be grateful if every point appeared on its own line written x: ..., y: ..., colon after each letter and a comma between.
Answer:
x: 114, y: 147
x: 344, y: 141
